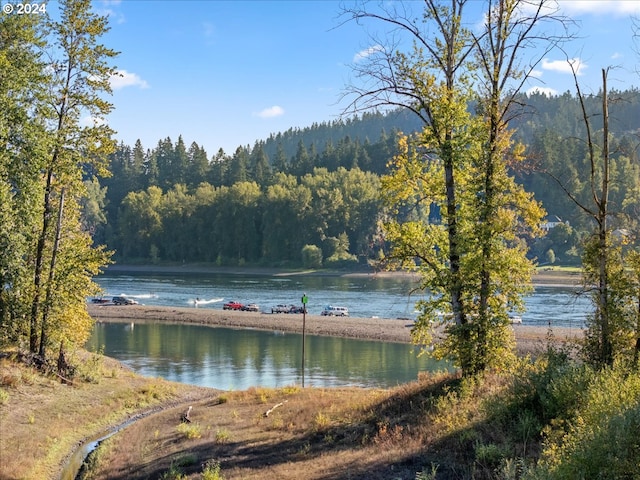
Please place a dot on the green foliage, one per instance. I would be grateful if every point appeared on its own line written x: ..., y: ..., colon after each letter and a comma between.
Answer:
x: 50, y: 256
x: 189, y: 430
x: 222, y: 436
x: 90, y: 369
x: 174, y: 473
x: 601, y: 435
x: 285, y: 205
x: 243, y: 222
x: 472, y: 259
x: 550, y: 257
x: 311, y: 256
x: 212, y: 471
x: 488, y: 455
x: 338, y: 249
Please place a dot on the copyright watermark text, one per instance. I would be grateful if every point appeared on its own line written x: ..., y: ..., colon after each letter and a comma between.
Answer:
x: 24, y: 8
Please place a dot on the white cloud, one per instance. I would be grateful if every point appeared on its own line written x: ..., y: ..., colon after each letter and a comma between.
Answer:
x: 600, y: 7
x: 363, y: 54
x: 549, y: 92
x: 90, y: 121
x: 123, y: 79
x: 564, y: 66
x: 106, y: 8
x: 536, y: 73
x: 271, y: 112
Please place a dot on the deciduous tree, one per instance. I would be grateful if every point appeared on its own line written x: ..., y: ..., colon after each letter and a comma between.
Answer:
x: 472, y: 262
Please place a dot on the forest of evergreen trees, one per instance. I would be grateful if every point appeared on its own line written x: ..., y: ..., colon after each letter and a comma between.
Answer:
x: 312, y: 196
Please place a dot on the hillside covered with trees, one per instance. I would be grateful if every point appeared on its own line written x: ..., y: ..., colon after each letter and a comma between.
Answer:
x: 176, y: 203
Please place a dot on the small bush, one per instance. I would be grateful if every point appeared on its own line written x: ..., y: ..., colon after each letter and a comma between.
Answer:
x: 211, y: 471
x: 290, y: 389
x: 311, y: 256
x: 222, y: 436
x: 489, y: 455
x: 186, y: 461
x: 190, y: 430
x: 89, y: 369
x: 4, y: 396
x: 321, y: 420
x: 174, y: 473
x: 428, y: 474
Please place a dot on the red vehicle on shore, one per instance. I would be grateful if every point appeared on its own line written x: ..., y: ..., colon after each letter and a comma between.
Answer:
x: 232, y: 306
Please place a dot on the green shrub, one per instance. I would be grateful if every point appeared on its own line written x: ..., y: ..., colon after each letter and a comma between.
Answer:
x: 489, y: 455
x: 190, y: 430
x: 342, y: 260
x: 174, y: 473
x: 222, y: 436
x: 311, y: 256
x: 602, y: 436
x: 211, y: 471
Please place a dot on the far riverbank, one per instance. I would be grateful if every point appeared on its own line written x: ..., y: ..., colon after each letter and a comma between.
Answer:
x: 544, y: 276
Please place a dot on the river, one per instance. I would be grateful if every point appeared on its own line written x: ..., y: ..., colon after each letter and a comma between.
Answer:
x: 238, y: 359
x: 364, y: 296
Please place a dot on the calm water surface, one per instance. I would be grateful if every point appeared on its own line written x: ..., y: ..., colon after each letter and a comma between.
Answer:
x: 238, y: 359
x: 231, y: 359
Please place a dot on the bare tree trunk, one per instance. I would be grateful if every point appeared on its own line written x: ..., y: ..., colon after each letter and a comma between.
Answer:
x: 39, y: 258
x: 52, y: 268
x: 636, y: 350
x: 606, y: 341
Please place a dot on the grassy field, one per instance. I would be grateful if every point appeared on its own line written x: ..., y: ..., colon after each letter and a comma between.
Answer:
x: 285, y: 433
x: 43, y: 420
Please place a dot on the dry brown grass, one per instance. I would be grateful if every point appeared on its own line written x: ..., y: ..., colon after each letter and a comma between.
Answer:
x: 42, y: 420
x: 258, y: 433
x: 313, y: 434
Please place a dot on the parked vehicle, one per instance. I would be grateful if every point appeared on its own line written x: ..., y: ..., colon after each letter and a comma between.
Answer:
x: 252, y: 307
x: 295, y: 309
x: 123, y: 301
x: 332, y: 310
x: 281, y: 308
x: 233, y: 305
x: 100, y: 300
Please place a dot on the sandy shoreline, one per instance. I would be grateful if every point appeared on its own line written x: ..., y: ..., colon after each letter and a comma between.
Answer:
x: 544, y: 277
x: 529, y: 339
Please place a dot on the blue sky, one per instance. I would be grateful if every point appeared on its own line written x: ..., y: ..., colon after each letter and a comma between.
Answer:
x: 228, y: 73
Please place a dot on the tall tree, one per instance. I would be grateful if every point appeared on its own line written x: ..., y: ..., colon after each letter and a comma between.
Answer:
x: 238, y: 167
x: 164, y: 156
x: 602, y: 265
x: 198, y: 165
x: 280, y: 163
x: 260, y: 169
x: 80, y: 75
x: 22, y: 151
x: 457, y: 165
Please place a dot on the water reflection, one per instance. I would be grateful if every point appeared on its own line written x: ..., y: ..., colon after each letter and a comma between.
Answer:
x: 238, y: 359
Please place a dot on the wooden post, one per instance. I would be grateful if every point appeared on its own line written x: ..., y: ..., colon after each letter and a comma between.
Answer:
x: 304, y: 321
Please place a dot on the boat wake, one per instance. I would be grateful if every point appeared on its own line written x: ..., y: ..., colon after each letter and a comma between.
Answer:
x: 199, y: 301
